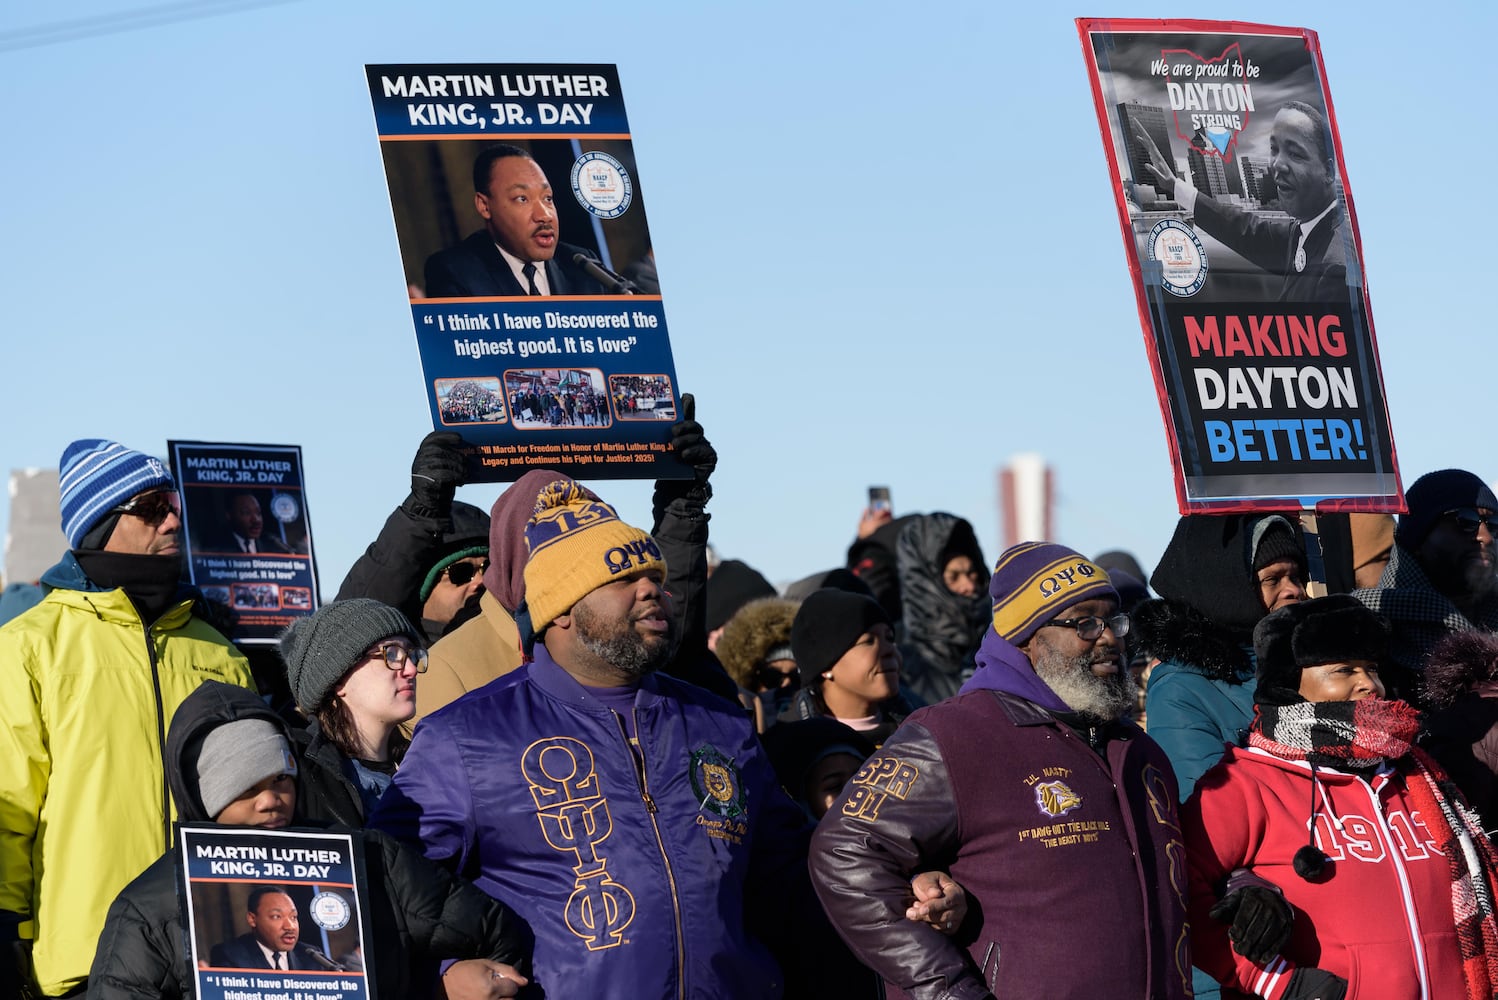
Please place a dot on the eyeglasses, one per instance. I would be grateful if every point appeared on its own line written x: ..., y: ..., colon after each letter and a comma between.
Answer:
x: 461, y: 572
x: 153, y: 508
x: 395, y: 655
x: 1468, y: 518
x: 1092, y: 626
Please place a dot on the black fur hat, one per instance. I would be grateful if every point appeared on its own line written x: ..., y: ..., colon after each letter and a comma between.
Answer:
x: 1331, y: 629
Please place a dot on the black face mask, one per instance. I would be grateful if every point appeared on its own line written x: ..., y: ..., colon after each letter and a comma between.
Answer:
x: 151, y: 582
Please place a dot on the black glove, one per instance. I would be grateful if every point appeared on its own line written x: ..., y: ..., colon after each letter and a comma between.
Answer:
x: 694, y: 449
x: 436, y: 473
x: 1315, y: 984
x: 1260, y: 917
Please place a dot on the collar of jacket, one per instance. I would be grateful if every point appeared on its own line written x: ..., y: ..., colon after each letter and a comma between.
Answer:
x: 1002, y: 666
x: 552, y: 678
x: 69, y: 583
x: 1174, y: 631
x: 115, y: 607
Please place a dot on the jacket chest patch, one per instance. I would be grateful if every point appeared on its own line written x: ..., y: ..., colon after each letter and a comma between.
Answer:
x: 1055, y: 798
x: 716, y: 782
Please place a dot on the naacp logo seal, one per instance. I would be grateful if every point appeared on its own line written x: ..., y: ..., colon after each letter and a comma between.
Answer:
x: 1182, y: 258
x: 330, y: 911
x: 716, y: 782
x: 284, y: 508
x: 602, y: 185
x: 1055, y: 799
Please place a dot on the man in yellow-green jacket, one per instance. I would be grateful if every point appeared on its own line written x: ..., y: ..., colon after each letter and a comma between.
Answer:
x: 89, y: 679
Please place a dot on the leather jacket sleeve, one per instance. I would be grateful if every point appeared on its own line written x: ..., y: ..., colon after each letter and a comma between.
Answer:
x: 895, y: 818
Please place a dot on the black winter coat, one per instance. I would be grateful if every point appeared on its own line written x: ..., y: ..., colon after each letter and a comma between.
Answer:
x: 325, y: 792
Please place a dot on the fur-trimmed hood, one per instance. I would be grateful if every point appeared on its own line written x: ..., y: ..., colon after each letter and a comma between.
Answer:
x: 1175, y: 632
x: 1457, y: 663
x: 757, y: 628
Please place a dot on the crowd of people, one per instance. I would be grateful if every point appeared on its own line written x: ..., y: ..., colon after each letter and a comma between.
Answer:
x: 571, y: 405
x: 642, y: 397
x: 470, y: 403
x: 587, y: 759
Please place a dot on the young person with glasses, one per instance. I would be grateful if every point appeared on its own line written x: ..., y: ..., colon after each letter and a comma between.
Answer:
x: 352, y: 667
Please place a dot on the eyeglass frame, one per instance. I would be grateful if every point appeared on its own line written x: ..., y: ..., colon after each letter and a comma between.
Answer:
x: 1464, y: 516
x: 460, y: 564
x: 1111, y: 622
x: 154, y: 520
x: 416, y: 654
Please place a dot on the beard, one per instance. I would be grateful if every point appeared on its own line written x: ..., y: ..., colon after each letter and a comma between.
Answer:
x: 622, y: 647
x: 1479, y: 581
x: 1102, y: 698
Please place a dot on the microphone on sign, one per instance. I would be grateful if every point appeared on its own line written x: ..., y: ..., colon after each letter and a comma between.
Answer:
x: 618, y: 284
x: 318, y: 958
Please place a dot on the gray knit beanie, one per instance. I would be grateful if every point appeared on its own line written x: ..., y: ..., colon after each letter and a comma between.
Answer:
x: 236, y: 757
x: 320, y: 649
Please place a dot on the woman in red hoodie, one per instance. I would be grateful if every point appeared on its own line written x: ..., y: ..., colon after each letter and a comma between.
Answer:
x: 1388, y: 871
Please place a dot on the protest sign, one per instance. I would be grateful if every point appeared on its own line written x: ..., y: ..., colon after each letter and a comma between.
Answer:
x: 529, y: 267
x: 295, y: 898
x: 1243, y: 244
x: 249, y: 542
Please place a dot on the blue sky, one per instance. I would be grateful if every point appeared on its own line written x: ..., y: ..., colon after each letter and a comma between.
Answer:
x: 885, y: 233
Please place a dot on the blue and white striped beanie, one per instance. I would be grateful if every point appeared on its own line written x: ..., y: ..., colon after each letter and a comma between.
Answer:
x: 96, y: 475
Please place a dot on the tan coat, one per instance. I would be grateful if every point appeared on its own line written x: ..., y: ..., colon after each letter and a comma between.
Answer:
x: 478, y: 651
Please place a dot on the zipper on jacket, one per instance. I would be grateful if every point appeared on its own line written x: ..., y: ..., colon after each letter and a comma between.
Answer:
x: 1391, y: 849
x: 992, y: 975
x: 166, y: 794
x: 639, y: 759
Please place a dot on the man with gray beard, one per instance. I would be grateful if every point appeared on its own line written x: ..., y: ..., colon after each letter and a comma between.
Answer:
x: 1056, y: 815
x: 631, y: 819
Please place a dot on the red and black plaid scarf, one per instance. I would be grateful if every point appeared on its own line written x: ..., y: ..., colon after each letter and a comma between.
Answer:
x: 1360, y: 736
x: 1357, y: 736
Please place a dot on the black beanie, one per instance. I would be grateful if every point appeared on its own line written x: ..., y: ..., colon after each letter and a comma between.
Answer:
x: 733, y: 585
x: 1274, y: 540
x: 794, y: 748
x: 1332, y: 629
x: 1432, y: 495
x: 827, y: 625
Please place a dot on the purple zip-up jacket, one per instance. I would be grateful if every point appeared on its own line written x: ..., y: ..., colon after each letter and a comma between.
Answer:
x: 639, y: 878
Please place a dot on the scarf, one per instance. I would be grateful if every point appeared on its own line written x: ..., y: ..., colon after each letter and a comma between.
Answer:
x: 1360, y: 736
x: 1356, y: 736
x: 151, y: 582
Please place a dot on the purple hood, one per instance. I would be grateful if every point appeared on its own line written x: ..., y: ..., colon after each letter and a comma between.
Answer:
x: 1002, y: 667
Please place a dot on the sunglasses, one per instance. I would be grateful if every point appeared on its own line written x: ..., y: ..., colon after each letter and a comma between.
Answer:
x: 1469, y: 518
x: 395, y: 655
x: 153, y: 508
x: 767, y: 678
x: 462, y: 572
x: 1092, y: 626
